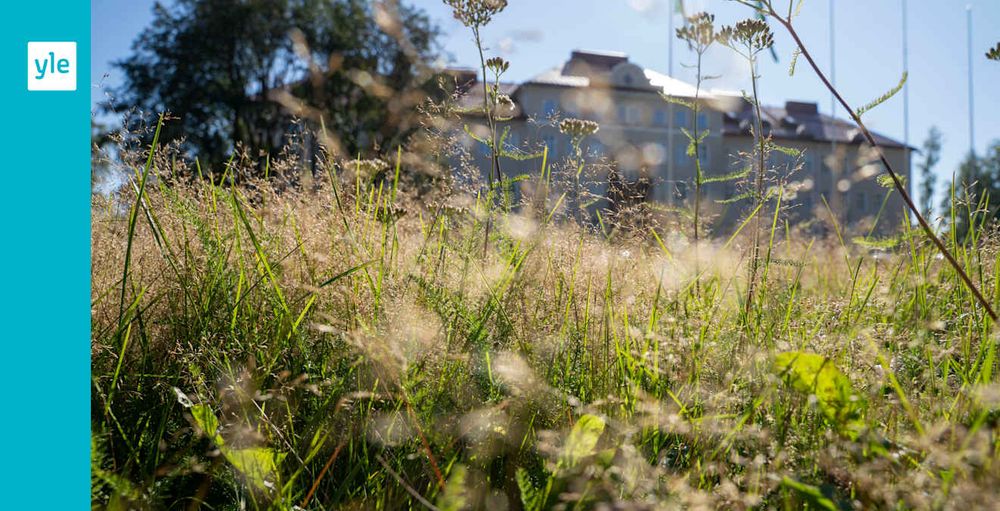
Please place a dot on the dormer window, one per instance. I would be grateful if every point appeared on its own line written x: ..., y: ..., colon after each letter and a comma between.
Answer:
x: 629, y: 75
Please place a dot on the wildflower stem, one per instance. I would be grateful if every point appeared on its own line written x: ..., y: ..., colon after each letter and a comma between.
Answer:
x: 758, y: 185
x: 697, y: 173
x: 494, y: 161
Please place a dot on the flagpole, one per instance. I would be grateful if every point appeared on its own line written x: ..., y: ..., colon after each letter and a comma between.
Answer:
x: 840, y: 168
x: 670, y: 45
x: 906, y: 90
x: 972, y: 97
x: 668, y: 197
x: 833, y: 62
x: 906, y: 86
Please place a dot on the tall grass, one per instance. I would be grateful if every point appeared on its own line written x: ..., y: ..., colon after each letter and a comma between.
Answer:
x: 346, y: 345
x: 377, y: 335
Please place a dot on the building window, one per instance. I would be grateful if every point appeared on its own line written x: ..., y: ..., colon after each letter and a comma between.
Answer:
x: 681, y: 157
x: 680, y: 118
x: 628, y: 114
x: 633, y: 115
x: 703, y: 154
x: 660, y: 118
x: 702, y: 121
x: 549, y: 107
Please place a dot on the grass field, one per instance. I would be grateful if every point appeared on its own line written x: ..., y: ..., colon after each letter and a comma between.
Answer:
x: 348, y: 343
x: 372, y: 335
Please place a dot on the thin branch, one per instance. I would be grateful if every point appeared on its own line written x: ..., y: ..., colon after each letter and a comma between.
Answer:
x: 897, y: 182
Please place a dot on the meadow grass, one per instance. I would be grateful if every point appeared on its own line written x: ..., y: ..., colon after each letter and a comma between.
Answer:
x: 347, y: 342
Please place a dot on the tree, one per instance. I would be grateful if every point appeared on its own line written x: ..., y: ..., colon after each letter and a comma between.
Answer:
x: 977, y: 192
x: 215, y: 66
x: 932, y: 155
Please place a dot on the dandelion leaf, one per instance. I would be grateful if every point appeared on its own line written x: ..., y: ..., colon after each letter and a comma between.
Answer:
x: 814, y: 374
x: 206, y: 420
x: 811, y: 494
x: 258, y: 464
x: 532, y: 497
x: 453, y: 497
x: 582, y: 439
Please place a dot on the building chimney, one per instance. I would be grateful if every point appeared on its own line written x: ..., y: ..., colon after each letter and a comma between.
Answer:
x: 596, y: 61
x: 801, y: 109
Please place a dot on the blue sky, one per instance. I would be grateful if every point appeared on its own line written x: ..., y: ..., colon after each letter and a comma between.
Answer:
x: 537, y: 34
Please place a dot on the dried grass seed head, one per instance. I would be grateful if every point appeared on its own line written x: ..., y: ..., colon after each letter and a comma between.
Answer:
x: 578, y: 128
x: 476, y: 13
x: 753, y: 34
x: 498, y: 65
x: 366, y: 168
x: 699, y: 31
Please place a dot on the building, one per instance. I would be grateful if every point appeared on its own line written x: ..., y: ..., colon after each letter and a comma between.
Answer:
x: 642, y: 139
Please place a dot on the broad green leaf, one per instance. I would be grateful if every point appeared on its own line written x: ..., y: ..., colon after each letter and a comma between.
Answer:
x: 532, y: 497
x: 258, y: 464
x: 116, y: 503
x: 453, y: 497
x: 582, y: 439
x: 817, y: 375
x: 207, y: 421
x: 810, y: 494
x: 606, y: 457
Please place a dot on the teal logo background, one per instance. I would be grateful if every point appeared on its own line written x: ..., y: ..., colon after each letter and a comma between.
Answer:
x: 45, y: 304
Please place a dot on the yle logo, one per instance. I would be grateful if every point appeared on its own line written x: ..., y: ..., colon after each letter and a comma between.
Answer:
x: 51, y: 66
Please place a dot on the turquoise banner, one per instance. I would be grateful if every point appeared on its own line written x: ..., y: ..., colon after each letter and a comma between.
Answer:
x: 45, y: 255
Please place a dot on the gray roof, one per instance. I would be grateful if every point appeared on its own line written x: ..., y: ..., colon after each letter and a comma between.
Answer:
x: 793, y: 121
x: 800, y: 121
x: 659, y: 82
